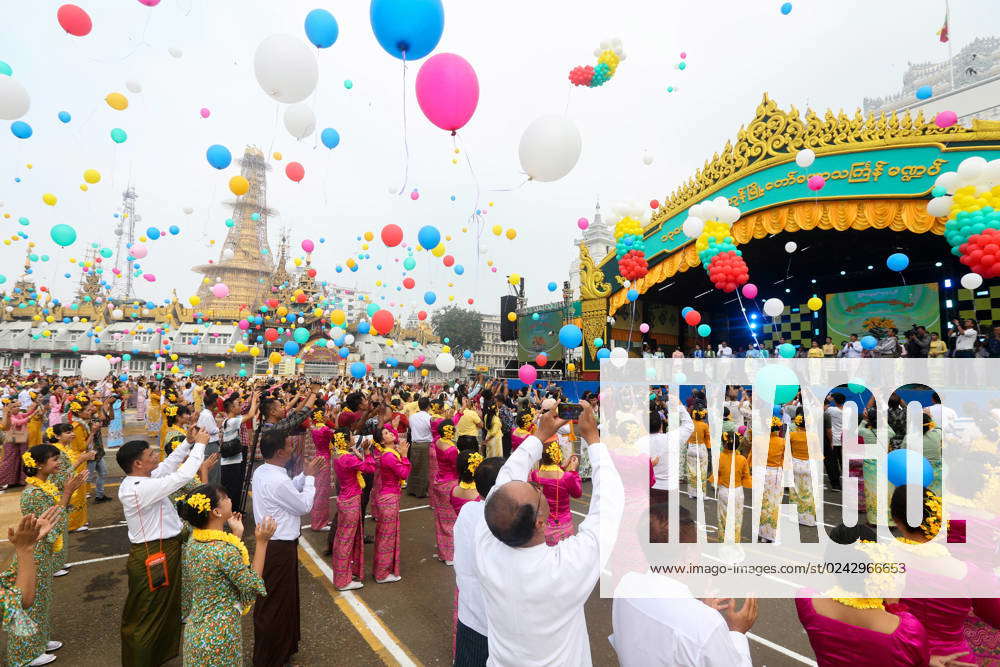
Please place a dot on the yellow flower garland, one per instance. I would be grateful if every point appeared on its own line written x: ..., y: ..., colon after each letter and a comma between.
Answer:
x: 467, y: 485
x: 838, y: 594
x: 28, y: 460
x: 205, y: 535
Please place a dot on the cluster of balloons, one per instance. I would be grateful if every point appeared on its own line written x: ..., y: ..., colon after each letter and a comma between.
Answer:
x: 630, y: 246
x: 716, y: 248
x: 970, y: 198
x: 609, y: 54
x: 717, y: 209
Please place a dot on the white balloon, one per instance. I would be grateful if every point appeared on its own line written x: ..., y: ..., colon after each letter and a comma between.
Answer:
x: 972, y: 281
x: 791, y: 247
x: 773, y: 307
x: 693, y: 227
x: 228, y: 253
x: 731, y: 215
x: 133, y: 86
x: 647, y: 158
x: 720, y: 201
x: 286, y: 68
x: 971, y: 167
x: 619, y: 355
x: 597, y: 52
x: 940, y: 207
x: 188, y: 210
x: 805, y: 157
x: 138, y: 218
x: 349, y: 339
x: 605, y: 44
x: 549, y: 148
x: 175, y: 52
x: 14, y: 100
x: 445, y: 362
x: 695, y: 212
x: 94, y: 367
x: 117, y: 313
x: 300, y: 121
x: 948, y: 180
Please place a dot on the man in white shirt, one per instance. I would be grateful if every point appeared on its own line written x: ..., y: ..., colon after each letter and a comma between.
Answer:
x: 420, y: 442
x: 276, y: 617
x: 831, y: 445
x: 535, y: 593
x: 471, y: 645
x: 151, y: 620
x: 675, y: 628
x: 24, y: 397
x: 188, y: 393
x: 207, y: 423
x: 666, y: 449
x: 852, y: 348
x: 725, y: 350
x: 943, y: 416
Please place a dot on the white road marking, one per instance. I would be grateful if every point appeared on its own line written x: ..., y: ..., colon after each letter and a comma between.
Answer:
x: 781, y: 649
x: 96, y: 560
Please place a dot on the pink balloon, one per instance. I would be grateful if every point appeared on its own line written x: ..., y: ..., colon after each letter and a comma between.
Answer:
x: 643, y: 328
x: 138, y: 251
x: 205, y: 113
x: 414, y: 195
x: 816, y: 182
x: 308, y: 246
x: 149, y: 3
x: 583, y: 223
x: 149, y: 277
x: 946, y: 119
x: 220, y: 290
x: 750, y: 291
x: 447, y: 90
x: 244, y: 324
x: 527, y: 373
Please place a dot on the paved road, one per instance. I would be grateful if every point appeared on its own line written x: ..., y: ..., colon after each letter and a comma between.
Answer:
x: 408, y: 622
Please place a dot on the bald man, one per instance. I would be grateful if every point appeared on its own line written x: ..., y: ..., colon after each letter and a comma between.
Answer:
x: 535, y: 593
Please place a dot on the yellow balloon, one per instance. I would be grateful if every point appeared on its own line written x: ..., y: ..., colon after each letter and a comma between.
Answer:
x: 49, y: 199
x: 277, y: 155
x: 364, y: 246
x: 514, y: 279
x: 465, y: 230
x: 491, y: 203
x: 194, y: 300
x: 318, y: 312
x: 511, y: 316
x: 351, y: 263
x: 173, y: 357
x: 369, y: 236
x: 815, y: 303
x: 46, y: 333
x: 438, y: 251
x: 511, y: 234
x: 29, y: 165
x: 143, y: 238
x: 489, y: 262
x: 446, y: 349
x: 497, y: 230
x: 83, y: 186
x: 92, y: 176
x: 274, y: 358
x: 571, y: 367
x: 395, y: 374
x: 240, y: 347
x: 454, y: 161
x: 282, y: 311
x: 297, y: 261
x: 378, y: 283
x: 239, y: 185
x: 338, y: 317
x: 447, y: 238
x: 117, y: 101
x: 254, y: 351
x: 451, y: 297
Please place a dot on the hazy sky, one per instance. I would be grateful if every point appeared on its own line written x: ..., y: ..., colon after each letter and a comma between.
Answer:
x: 824, y: 54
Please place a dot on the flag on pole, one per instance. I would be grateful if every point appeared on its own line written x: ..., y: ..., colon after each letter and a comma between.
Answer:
x: 943, y: 32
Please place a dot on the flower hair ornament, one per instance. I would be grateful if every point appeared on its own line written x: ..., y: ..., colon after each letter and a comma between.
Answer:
x: 170, y: 410
x: 319, y: 419
x: 50, y: 433
x: 799, y: 421
x: 554, y: 450
x: 474, y: 460
x: 776, y: 422
x: 199, y: 501
x: 28, y: 460
x: 340, y: 441
x: 75, y: 407
x: 699, y: 414
x: 931, y: 526
x: 930, y: 426
x: 448, y: 431
x: 526, y: 420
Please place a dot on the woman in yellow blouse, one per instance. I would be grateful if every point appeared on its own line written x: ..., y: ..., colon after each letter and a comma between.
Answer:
x: 815, y: 352
x: 802, y: 470
x: 770, y: 502
x: 938, y: 347
x: 733, y: 469
x: 697, y: 452
x: 34, y: 427
x: 82, y: 437
x: 153, y: 410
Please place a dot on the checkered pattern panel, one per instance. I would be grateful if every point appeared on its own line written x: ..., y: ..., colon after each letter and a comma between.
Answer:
x: 795, y: 325
x: 984, y: 309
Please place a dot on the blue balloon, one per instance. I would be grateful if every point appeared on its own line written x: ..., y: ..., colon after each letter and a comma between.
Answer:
x: 552, y: 287
x: 291, y: 348
x: 430, y: 298
x: 330, y: 137
x: 924, y: 92
x: 321, y: 28
x: 364, y: 327
x: 175, y: 230
x: 391, y: 362
x: 153, y: 233
x: 65, y: 117
x: 459, y: 269
x: 685, y: 310
x: 632, y: 294
x: 407, y: 29
x: 467, y: 354
x: 428, y: 236
x: 899, y: 461
x: 20, y: 129
x: 786, y: 9
x: 897, y: 261
x: 5, y: 69
x: 869, y: 342
x: 603, y: 353
x: 218, y: 156
x: 704, y: 330
x: 776, y: 411
x: 358, y: 370
x: 786, y: 350
x: 570, y: 336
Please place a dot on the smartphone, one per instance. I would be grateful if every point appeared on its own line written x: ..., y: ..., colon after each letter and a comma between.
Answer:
x: 570, y: 411
x: 156, y: 571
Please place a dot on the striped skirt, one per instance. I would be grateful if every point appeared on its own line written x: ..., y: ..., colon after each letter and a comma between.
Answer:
x: 697, y: 468
x: 735, y: 517
x: 444, y: 518
x: 770, y: 504
x: 348, y: 544
x: 802, y: 491
x: 556, y: 533
x: 320, y: 514
x: 386, y: 512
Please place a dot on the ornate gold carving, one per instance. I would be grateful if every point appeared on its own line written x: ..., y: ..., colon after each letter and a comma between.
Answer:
x: 899, y: 215
x: 593, y: 321
x: 592, y: 283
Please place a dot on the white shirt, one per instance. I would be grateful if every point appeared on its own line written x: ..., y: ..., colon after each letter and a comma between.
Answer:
x: 206, y: 421
x: 965, y: 340
x: 725, y: 351
x: 471, y: 605
x: 836, y: 424
x: 284, y: 499
x: 149, y: 511
x: 188, y: 393
x: 24, y: 398
x: 420, y: 427
x: 943, y: 416
x: 668, y: 447
x: 231, y: 431
x: 673, y: 628
x: 535, y: 596
x: 852, y: 349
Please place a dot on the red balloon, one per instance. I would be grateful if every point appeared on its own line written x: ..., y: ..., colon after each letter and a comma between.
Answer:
x: 271, y: 335
x: 301, y: 298
x: 422, y: 315
x: 541, y: 359
x: 654, y: 204
x: 272, y: 303
x: 74, y: 20
x: 409, y: 283
x: 295, y: 171
x: 471, y: 301
x: 693, y: 318
x: 383, y: 321
x: 448, y: 260
x: 392, y: 235
x: 312, y: 273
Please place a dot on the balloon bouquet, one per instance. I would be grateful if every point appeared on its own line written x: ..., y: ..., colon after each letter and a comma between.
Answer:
x: 609, y: 54
x: 970, y: 198
x: 630, y: 246
x: 709, y: 224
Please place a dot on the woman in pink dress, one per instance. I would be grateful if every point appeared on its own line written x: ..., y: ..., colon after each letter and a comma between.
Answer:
x: 465, y: 491
x: 348, y: 543
x: 394, y: 468
x: 141, y: 400
x: 444, y: 452
x: 321, y: 433
x: 559, y: 485
x: 15, y: 427
x: 525, y: 427
x: 57, y: 403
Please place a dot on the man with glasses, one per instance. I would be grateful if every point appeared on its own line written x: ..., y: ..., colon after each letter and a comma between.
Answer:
x: 535, y: 593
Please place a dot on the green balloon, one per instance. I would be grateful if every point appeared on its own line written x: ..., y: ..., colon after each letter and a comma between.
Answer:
x: 5, y: 69
x: 301, y: 335
x: 106, y: 253
x: 118, y: 135
x: 63, y: 235
x: 372, y: 309
x: 347, y: 82
x: 409, y: 263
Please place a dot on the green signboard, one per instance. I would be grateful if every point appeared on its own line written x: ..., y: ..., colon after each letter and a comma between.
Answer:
x: 893, y: 172
x: 540, y: 334
x: 898, y: 307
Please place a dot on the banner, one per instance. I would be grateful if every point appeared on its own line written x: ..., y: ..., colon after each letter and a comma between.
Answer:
x: 539, y: 332
x: 888, y: 307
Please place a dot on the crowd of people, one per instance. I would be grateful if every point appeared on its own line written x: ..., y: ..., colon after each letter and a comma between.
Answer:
x: 499, y: 470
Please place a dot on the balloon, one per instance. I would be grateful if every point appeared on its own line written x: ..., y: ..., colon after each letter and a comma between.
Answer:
x: 49, y: 199
x: 900, y: 461
x: 632, y: 295
x: 204, y: 113
x: 133, y: 86
x: 786, y: 350
x: 92, y: 176
x: 429, y: 237
x: 64, y: 116
x: 583, y: 223
x: 118, y: 135
x: 773, y: 307
x: 274, y: 358
x: 786, y: 8
x: 301, y: 335
x: 409, y: 283
x: 220, y: 290
x: 570, y: 336
x: 869, y: 342
x: 75, y: 21
x: 5, y: 69
x: 295, y: 171
x: 321, y: 28
x: 805, y: 157
x: 175, y: 52
x: 897, y: 261
x: 149, y: 277
x: 94, y: 367
x: 383, y: 321
x: 692, y: 317
x: 643, y: 328
x: 527, y: 373
x: 445, y: 362
x: 430, y: 298
x: 138, y: 251
x: 330, y: 138
x: 945, y: 119
x: 816, y: 182
x: 14, y: 100
x: 117, y: 101
x: 218, y: 156
x: 549, y: 148
x: 63, y: 235
x: 407, y: 29
x: 814, y: 303
x: 300, y: 121
x: 647, y: 158
x: 541, y: 359
x: 285, y: 68
x: 358, y: 370
x: 392, y: 235
x: 791, y: 247
x: 291, y: 348
x: 750, y: 291
x: 704, y: 330
x: 308, y: 245
x: 20, y: 129
x: 693, y: 227
x: 238, y: 185
x: 447, y: 90
x: 775, y: 384
x: 654, y: 204
x: 924, y: 92
x: 972, y: 281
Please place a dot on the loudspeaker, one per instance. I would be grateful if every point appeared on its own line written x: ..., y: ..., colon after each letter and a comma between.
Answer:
x: 508, y: 329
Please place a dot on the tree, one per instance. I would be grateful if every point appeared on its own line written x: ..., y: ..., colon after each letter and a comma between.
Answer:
x: 463, y: 328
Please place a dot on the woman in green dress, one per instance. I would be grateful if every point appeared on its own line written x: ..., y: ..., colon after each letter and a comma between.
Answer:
x: 40, y: 495
x: 868, y: 431
x: 218, y: 583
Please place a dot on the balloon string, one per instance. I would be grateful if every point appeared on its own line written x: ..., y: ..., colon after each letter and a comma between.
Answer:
x: 142, y: 42
x: 631, y: 323
x: 509, y: 188
x: 743, y: 309
x: 472, y: 171
x: 274, y: 134
x: 406, y: 145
